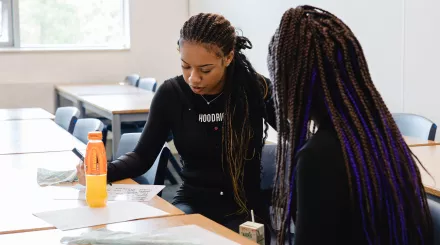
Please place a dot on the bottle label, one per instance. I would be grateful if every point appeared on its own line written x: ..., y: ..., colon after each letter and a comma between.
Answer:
x: 96, y: 162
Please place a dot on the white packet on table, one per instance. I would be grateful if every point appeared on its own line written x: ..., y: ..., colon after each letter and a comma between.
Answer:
x: 104, y: 236
x: 47, y: 177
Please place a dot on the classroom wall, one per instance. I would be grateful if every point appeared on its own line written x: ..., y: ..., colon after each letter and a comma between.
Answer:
x: 422, y: 53
x: 378, y: 25
x: 27, y: 78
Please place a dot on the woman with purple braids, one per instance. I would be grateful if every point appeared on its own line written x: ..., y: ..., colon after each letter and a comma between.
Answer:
x: 350, y: 178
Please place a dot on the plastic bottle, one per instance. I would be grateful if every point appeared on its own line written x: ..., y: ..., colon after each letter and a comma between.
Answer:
x: 96, y: 171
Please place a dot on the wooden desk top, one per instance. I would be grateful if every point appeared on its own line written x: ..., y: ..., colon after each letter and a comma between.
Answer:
x: 415, y: 142
x: 429, y: 156
x: 54, y: 236
x: 121, y: 103
x: 32, y: 136
x: 24, y: 113
x: 77, y: 90
x: 23, y: 196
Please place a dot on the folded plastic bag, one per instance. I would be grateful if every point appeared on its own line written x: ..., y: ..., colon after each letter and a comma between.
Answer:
x: 51, y: 177
x: 104, y: 236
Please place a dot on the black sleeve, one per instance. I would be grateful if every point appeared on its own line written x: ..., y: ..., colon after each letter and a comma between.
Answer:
x: 322, y: 198
x: 268, y: 100
x: 154, y: 135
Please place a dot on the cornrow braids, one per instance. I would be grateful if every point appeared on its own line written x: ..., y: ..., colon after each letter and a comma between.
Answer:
x: 244, y: 104
x: 319, y: 69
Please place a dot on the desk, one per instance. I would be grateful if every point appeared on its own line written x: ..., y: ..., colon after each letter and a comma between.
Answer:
x: 415, y: 142
x: 37, y: 135
x: 54, y: 236
x: 23, y: 196
x: 429, y: 156
x: 73, y: 91
x: 119, y: 108
x: 24, y: 113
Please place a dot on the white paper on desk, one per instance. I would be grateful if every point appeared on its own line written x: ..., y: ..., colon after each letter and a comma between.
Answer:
x: 116, y: 192
x: 73, y: 218
x: 194, y: 231
x: 139, y: 193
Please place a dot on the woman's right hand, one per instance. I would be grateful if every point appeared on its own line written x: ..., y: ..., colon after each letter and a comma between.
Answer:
x: 80, y: 173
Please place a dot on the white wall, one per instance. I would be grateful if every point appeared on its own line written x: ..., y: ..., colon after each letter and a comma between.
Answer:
x: 27, y: 78
x: 422, y: 55
x: 378, y: 25
x: 379, y: 29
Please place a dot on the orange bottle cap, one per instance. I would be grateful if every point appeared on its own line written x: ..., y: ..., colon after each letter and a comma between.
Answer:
x: 95, y: 135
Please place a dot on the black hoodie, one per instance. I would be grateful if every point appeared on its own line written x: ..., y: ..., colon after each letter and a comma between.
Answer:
x: 197, y: 132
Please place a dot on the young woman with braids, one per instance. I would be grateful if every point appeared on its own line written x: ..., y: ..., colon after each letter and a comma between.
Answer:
x: 353, y: 180
x: 215, y: 112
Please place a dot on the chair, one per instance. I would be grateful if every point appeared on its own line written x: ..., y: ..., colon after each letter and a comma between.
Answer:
x: 85, y: 125
x: 149, y: 84
x: 66, y: 117
x: 268, y: 163
x: 127, y: 143
x: 156, y: 174
x: 132, y: 79
x: 268, y: 158
x: 434, y: 207
x: 415, y: 126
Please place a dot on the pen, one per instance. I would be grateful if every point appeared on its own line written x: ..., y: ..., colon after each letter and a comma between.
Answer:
x: 78, y: 154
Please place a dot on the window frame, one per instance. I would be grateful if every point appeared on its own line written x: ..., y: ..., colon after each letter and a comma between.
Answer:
x: 14, y: 43
x: 7, y: 22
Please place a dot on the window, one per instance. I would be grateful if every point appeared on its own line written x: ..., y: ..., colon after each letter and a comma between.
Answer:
x: 1, y: 18
x: 68, y: 24
x: 5, y: 23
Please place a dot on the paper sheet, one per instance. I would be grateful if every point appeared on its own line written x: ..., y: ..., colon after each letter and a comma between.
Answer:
x: 73, y: 218
x: 194, y: 231
x: 116, y: 192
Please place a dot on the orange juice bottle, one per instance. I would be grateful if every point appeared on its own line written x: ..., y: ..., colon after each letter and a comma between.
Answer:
x: 96, y: 171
